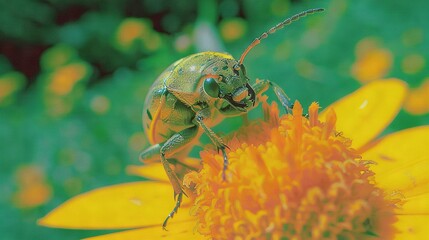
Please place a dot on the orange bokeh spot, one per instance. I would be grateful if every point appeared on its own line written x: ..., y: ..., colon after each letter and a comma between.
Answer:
x: 100, y: 104
x: 417, y: 101
x: 372, y: 61
x: 10, y: 83
x: 137, y: 140
x: 233, y: 29
x: 413, y: 63
x: 131, y: 30
x: 64, y: 78
x: 32, y: 187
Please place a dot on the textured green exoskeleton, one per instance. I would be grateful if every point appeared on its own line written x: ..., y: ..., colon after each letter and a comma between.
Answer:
x: 194, y: 94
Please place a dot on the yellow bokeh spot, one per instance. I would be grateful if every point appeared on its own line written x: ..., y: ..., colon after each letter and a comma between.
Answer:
x: 283, y: 50
x: 58, y: 107
x: 182, y: 43
x: 73, y: 185
x: 152, y: 42
x: 232, y: 29
x: 134, y: 31
x: 64, y: 78
x: 280, y: 8
x: 57, y: 56
x: 412, y: 37
x: 417, y: 101
x: 365, y: 45
x: 100, y: 104
x: 32, y: 187
x: 131, y: 29
x: 305, y: 69
x: 413, y: 63
x: 63, y: 87
x: 372, y: 61
x: 136, y: 141
x: 10, y: 83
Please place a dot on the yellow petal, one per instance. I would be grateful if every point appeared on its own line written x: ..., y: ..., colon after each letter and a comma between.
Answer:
x: 176, y: 231
x: 416, y: 205
x: 412, y: 227
x: 154, y: 171
x: 402, y: 161
x: 129, y: 205
x: 363, y: 114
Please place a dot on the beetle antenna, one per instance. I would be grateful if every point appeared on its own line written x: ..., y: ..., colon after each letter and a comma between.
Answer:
x: 277, y: 27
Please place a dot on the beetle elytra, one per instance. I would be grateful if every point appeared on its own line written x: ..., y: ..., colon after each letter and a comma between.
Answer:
x: 194, y: 94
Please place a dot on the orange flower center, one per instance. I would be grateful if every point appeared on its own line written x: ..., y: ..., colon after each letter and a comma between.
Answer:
x: 289, y: 178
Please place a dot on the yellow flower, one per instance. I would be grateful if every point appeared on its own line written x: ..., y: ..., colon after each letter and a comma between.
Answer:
x: 321, y: 177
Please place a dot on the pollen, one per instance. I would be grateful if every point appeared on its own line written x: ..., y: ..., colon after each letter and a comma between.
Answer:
x: 290, y: 177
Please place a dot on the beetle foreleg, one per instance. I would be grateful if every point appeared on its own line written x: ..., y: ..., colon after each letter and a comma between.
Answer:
x: 263, y: 85
x: 217, y: 141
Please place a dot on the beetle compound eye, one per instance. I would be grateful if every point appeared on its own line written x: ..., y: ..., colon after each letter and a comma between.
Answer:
x: 211, y: 87
x: 236, y: 69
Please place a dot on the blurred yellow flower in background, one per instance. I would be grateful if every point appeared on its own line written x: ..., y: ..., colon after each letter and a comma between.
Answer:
x: 417, y: 101
x: 10, y: 84
x: 322, y: 177
x: 65, y: 78
x: 136, y: 34
x: 232, y: 29
x: 33, y: 189
x: 372, y: 60
x: 413, y: 63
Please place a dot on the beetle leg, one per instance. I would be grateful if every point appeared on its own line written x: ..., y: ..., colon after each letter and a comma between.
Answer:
x: 182, y: 165
x: 174, y: 144
x: 217, y: 141
x: 151, y: 154
x: 174, y: 211
x: 263, y: 86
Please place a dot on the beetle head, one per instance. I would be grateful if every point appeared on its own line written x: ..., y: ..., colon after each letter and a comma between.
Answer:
x: 226, y: 79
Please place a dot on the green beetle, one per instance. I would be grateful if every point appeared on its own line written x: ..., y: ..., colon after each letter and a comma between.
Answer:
x: 195, y: 93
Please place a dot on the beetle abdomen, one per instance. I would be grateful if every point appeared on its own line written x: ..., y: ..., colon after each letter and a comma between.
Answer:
x: 165, y: 116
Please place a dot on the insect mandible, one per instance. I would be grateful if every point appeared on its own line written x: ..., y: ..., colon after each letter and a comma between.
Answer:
x: 194, y: 94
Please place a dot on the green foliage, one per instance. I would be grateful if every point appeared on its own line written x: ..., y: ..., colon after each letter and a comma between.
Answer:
x: 78, y: 119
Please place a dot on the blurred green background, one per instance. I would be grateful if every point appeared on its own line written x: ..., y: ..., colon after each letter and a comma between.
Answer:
x: 74, y: 75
